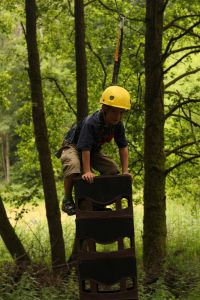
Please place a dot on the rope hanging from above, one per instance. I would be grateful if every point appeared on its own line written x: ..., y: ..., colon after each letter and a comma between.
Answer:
x: 118, y: 51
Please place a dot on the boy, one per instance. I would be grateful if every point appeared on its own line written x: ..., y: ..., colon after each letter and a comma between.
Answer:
x: 82, y: 144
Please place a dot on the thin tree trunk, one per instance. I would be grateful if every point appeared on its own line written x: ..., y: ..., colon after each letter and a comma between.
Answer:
x: 81, y: 82
x: 40, y: 129
x: 11, y: 240
x: 81, y: 63
x: 154, y: 159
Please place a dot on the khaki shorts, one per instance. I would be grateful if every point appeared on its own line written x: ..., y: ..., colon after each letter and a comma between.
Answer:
x: 70, y: 159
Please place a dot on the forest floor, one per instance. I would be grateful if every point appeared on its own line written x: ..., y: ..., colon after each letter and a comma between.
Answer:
x: 180, y: 281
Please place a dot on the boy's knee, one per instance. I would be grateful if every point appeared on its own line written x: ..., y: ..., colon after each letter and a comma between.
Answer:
x: 112, y: 169
x: 70, y: 162
x: 72, y: 168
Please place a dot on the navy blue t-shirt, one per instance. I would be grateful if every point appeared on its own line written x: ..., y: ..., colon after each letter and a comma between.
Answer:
x: 92, y: 133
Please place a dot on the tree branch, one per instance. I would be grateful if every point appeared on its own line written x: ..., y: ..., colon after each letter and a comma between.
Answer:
x: 175, y: 150
x: 179, y: 60
x: 179, y: 105
x: 89, y: 2
x: 177, y: 19
x: 174, y: 39
x: 181, y: 76
x: 101, y: 63
x: 62, y: 93
x: 70, y: 8
x: 187, y: 119
x: 181, y: 163
x: 115, y: 10
x: 190, y: 33
x: 165, y: 5
x: 23, y: 29
x: 193, y: 132
x: 182, y: 49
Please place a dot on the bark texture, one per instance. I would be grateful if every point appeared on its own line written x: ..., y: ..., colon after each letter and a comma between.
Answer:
x: 11, y: 240
x: 154, y: 159
x: 40, y: 129
x: 81, y: 82
x: 81, y: 63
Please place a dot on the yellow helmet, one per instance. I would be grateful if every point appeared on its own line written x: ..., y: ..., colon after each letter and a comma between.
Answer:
x: 116, y: 96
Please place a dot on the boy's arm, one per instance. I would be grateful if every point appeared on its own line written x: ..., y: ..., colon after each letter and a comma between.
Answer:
x: 123, y: 153
x: 87, y: 173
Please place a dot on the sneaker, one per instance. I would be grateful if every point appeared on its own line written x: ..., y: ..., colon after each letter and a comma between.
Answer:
x: 68, y: 207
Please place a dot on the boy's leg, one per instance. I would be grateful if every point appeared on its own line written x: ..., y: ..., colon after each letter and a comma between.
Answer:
x: 103, y: 164
x: 68, y: 205
x: 106, y: 166
x: 71, y: 168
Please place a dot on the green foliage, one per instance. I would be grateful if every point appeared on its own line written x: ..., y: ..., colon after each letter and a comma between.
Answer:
x: 34, y: 287
x: 56, y: 44
x: 182, y: 125
x: 24, y: 289
x: 18, y: 195
x: 55, y: 28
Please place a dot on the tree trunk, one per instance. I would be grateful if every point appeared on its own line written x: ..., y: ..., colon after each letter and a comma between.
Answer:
x: 40, y: 129
x: 11, y: 240
x: 154, y: 159
x: 5, y: 157
x: 81, y: 81
x: 81, y: 63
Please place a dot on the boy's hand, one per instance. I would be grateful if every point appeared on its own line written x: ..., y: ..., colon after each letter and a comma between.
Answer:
x: 88, y: 176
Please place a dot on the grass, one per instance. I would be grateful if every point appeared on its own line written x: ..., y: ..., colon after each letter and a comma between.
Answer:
x: 33, y: 231
x: 180, y: 281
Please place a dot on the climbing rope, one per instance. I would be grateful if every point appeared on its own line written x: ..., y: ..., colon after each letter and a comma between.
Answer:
x: 118, y: 51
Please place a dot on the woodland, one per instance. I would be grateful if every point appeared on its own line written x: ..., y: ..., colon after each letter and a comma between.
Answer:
x: 56, y: 58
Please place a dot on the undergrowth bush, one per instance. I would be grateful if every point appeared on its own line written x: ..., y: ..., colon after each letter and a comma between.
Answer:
x: 180, y: 280
x: 38, y: 284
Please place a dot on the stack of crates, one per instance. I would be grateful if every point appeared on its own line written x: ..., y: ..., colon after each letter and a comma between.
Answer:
x: 105, y: 238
